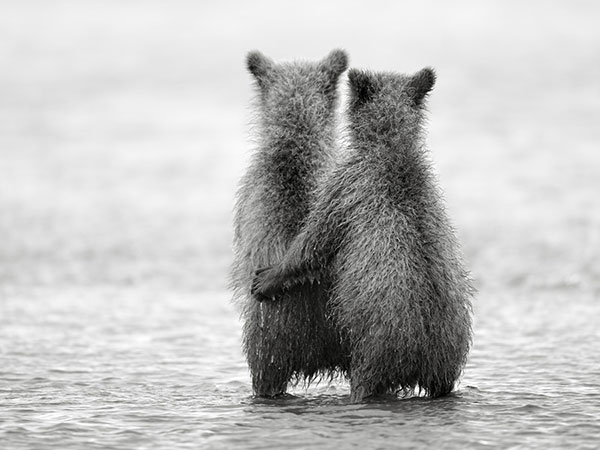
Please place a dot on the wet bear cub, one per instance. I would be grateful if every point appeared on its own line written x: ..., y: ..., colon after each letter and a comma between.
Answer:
x: 379, y: 232
x: 296, y: 138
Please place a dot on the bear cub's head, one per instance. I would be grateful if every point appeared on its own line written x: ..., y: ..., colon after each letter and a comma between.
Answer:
x: 298, y: 94
x: 386, y: 102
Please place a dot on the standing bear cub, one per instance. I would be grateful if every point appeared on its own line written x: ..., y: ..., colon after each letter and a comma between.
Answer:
x: 292, y: 339
x: 379, y: 233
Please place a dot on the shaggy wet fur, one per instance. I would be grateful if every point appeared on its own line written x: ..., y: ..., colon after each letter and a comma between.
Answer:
x: 379, y: 232
x: 292, y: 339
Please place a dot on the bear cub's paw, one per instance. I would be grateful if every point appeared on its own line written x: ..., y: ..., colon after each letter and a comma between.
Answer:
x: 263, y: 285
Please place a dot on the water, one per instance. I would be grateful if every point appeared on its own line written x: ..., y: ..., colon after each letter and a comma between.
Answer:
x: 121, y: 368
x: 123, y: 131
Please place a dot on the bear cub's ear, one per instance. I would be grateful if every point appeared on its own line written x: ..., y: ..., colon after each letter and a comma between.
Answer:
x: 420, y: 84
x: 335, y: 63
x: 259, y: 65
x: 362, y: 87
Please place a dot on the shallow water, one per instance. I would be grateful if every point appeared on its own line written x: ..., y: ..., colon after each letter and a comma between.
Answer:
x: 120, y: 368
x: 123, y: 132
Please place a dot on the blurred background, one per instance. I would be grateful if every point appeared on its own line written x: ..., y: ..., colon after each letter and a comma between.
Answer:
x: 124, y: 128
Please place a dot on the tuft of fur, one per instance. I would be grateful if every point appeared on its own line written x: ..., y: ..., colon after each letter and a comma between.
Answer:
x: 379, y: 233
x: 292, y: 339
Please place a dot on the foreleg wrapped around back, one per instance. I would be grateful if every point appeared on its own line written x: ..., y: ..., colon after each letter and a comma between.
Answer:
x: 296, y: 269
x: 307, y: 259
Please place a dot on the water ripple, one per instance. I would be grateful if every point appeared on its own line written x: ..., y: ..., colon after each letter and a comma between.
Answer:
x: 176, y: 389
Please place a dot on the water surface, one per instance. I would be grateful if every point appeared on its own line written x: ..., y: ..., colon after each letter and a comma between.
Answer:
x: 106, y: 368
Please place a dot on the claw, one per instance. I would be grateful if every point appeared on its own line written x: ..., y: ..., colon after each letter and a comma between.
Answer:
x: 261, y: 270
x: 254, y: 287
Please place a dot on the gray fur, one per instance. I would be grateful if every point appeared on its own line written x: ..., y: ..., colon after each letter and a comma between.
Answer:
x: 292, y: 339
x: 400, y: 294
